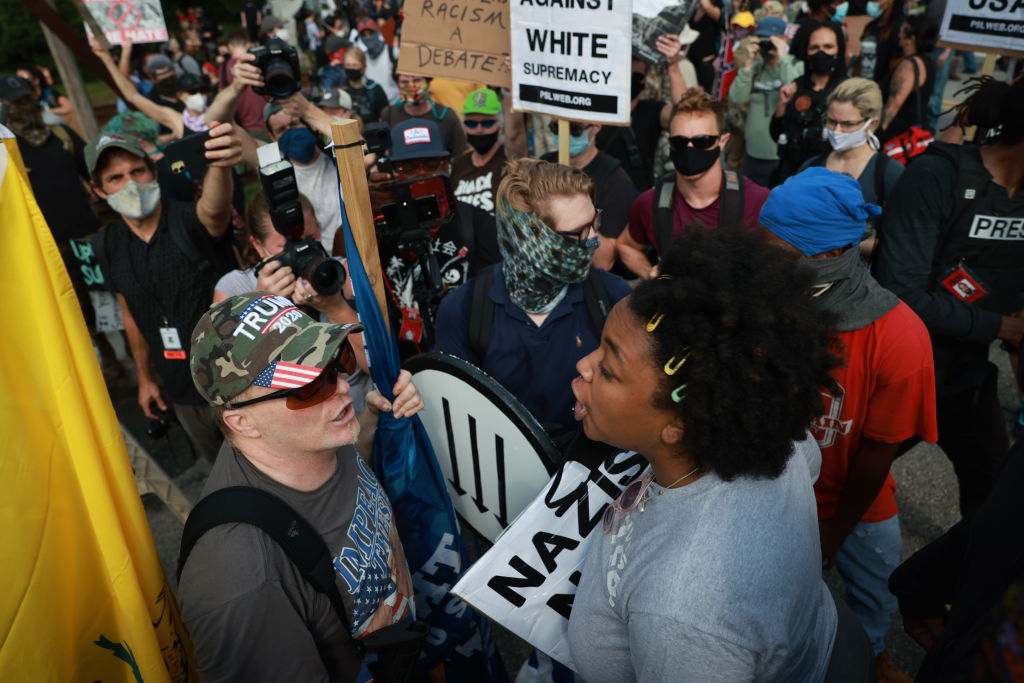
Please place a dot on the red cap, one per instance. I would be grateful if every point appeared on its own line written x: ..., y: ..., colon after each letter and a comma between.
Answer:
x: 366, y: 24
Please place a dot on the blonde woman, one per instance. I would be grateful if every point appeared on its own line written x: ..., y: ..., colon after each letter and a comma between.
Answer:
x: 852, y: 114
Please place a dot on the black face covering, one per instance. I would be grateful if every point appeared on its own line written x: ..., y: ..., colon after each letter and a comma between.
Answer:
x: 821, y: 63
x: 168, y: 87
x: 353, y: 74
x: 690, y: 161
x: 636, y: 84
x: 483, y: 143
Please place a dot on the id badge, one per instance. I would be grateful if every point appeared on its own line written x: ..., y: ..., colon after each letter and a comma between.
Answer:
x: 964, y: 285
x: 412, y: 325
x: 172, y: 343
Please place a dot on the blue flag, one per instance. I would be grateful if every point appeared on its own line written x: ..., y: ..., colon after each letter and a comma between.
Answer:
x: 407, y: 468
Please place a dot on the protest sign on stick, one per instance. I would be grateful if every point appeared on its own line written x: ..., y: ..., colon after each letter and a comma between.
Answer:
x: 991, y: 26
x: 571, y: 58
x: 128, y: 21
x: 527, y: 581
x: 466, y: 41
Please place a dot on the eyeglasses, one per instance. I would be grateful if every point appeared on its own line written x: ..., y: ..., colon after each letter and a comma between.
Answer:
x: 578, y: 235
x: 473, y: 125
x: 317, y: 391
x: 699, y: 141
x: 845, y: 125
x: 575, y: 129
x: 630, y: 497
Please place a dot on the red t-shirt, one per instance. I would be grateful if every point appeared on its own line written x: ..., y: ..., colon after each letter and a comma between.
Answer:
x: 887, y: 393
x: 641, y: 214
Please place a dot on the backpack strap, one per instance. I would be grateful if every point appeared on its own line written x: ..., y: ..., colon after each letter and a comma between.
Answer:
x: 596, y: 298
x: 600, y: 169
x: 664, y: 203
x: 296, y: 537
x: 730, y: 206
x: 464, y: 215
x: 65, y: 138
x: 481, y: 313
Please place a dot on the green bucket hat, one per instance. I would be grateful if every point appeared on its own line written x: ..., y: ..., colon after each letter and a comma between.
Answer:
x: 262, y: 339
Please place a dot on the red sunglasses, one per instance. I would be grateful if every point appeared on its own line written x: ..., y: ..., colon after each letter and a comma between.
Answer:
x: 317, y: 391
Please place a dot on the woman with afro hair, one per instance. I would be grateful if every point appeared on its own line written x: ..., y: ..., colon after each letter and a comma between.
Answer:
x: 709, y: 567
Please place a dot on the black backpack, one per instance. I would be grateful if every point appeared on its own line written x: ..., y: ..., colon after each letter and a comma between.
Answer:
x: 396, y: 647
x: 730, y: 207
x: 481, y: 314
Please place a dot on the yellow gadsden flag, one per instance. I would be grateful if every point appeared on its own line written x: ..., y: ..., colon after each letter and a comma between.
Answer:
x: 84, y: 597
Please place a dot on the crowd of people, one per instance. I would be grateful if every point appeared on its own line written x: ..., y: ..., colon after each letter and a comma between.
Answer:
x: 759, y: 284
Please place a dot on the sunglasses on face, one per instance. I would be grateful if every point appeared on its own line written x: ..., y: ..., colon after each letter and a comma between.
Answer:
x: 699, y: 141
x: 473, y: 125
x: 579, y: 235
x: 317, y: 391
x: 575, y: 129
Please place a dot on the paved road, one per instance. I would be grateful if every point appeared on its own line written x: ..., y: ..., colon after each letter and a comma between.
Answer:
x: 927, y: 496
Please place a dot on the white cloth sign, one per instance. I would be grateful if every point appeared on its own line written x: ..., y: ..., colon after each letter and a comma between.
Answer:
x: 527, y: 581
x: 572, y: 58
x: 129, y: 21
x: 994, y: 26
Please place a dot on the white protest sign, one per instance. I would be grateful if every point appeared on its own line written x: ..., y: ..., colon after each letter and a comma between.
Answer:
x: 129, y: 21
x: 527, y: 581
x: 572, y: 58
x: 494, y: 455
x: 993, y: 26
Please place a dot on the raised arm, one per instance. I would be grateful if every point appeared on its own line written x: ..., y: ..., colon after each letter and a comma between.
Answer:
x: 163, y: 115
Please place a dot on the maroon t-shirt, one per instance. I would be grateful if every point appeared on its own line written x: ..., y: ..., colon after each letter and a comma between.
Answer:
x: 249, y: 110
x: 641, y: 214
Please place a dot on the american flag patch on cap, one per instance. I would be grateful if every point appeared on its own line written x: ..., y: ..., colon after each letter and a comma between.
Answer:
x: 280, y: 375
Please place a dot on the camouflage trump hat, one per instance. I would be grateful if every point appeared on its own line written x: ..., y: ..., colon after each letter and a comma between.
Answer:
x: 262, y: 339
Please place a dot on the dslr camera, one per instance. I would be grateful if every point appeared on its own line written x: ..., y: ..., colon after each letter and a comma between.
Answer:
x: 279, y: 63
x: 306, y: 257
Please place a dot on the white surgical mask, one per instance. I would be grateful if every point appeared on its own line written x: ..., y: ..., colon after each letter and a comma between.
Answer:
x: 196, y: 103
x: 843, y: 141
x: 135, y: 200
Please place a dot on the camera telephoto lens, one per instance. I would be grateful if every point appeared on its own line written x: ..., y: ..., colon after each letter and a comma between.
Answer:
x: 279, y: 79
x: 326, y: 276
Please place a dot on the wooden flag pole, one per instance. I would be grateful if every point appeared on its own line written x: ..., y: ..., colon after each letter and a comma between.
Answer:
x: 348, y: 152
x: 563, y: 142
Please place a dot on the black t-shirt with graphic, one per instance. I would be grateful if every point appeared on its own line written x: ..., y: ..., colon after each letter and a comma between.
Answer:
x: 478, y: 185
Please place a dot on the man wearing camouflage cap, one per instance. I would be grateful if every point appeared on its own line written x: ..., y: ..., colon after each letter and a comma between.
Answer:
x: 276, y: 381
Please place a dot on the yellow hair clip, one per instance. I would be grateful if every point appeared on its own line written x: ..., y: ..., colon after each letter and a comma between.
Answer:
x: 672, y: 365
x: 655, y: 320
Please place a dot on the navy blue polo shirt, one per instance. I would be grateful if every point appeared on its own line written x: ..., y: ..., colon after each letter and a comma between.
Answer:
x: 536, y: 364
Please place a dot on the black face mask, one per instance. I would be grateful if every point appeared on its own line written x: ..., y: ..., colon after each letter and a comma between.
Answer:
x: 821, y: 63
x: 354, y: 75
x: 690, y: 161
x: 483, y: 143
x: 636, y: 84
x: 167, y: 87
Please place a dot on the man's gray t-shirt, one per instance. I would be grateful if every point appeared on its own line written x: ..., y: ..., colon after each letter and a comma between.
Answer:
x: 250, y: 613
x: 715, y: 581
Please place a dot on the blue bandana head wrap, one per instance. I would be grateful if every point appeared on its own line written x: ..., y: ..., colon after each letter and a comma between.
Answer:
x: 817, y: 211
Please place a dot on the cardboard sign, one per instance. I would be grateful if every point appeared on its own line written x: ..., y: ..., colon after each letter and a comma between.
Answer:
x: 129, y: 21
x: 527, y: 581
x: 992, y: 26
x: 465, y: 41
x: 572, y: 58
x: 494, y: 455
x: 655, y: 18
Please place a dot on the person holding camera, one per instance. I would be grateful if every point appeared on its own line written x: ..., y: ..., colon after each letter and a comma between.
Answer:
x: 437, y: 246
x: 765, y: 66
x: 162, y: 258
x: 273, y: 378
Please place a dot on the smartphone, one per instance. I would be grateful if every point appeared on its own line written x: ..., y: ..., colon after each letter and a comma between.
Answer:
x: 188, y: 155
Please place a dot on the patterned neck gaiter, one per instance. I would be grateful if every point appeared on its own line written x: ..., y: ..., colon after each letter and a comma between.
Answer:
x: 538, y: 262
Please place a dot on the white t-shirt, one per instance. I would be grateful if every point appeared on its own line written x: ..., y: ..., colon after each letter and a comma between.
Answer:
x: 319, y: 182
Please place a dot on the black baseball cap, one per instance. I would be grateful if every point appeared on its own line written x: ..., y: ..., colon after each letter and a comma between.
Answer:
x: 14, y: 88
x: 417, y: 139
